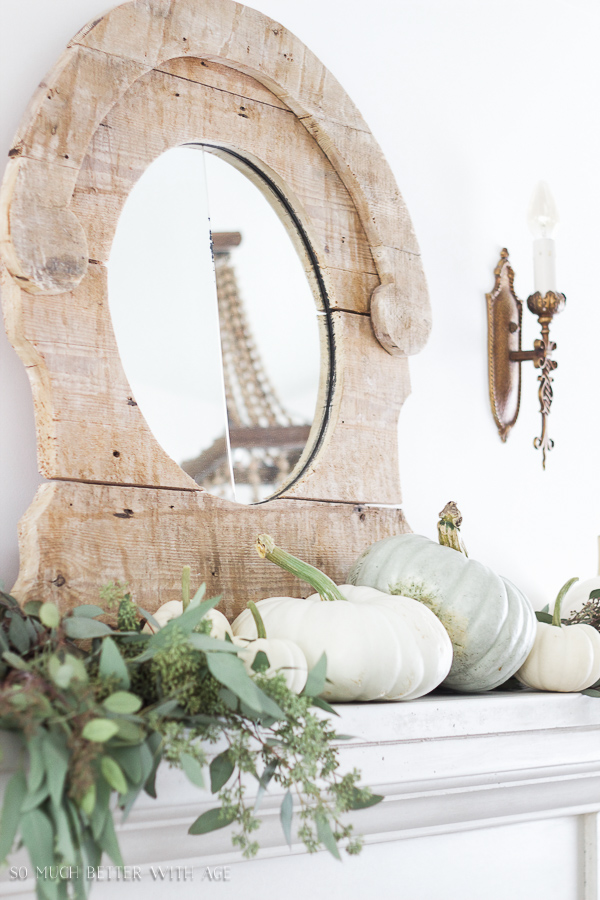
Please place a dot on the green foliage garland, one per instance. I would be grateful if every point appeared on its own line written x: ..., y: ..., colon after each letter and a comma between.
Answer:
x: 99, y: 708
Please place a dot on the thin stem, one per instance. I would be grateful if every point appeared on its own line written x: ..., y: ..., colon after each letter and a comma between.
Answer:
x: 558, y: 602
x: 324, y: 586
x: 258, y: 619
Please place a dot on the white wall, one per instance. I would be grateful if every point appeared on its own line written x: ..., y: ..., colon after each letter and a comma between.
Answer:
x: 472, y: 101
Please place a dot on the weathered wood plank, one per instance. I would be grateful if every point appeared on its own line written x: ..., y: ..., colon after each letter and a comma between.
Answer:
x: 161, y: 111
x: 89, y: 426
x: 76, y: 537
x: 233, y: 79
x: 138, y: 35
x: 224, y: 78
x: 359, y: 454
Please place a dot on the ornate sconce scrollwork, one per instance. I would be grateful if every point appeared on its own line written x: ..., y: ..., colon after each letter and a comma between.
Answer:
x: 504, y: 310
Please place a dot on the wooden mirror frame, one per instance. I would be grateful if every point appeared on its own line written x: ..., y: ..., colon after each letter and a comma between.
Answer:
x: 147, y: 76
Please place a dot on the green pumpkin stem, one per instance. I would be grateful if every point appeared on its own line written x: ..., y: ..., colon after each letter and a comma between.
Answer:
x: 258, y: 619
x: 556, y: 620
x: 324, y: 586
x: 185, y: 587
x: 449, y: 528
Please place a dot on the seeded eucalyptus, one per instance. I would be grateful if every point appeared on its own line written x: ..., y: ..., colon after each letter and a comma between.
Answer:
x: 98, y: 708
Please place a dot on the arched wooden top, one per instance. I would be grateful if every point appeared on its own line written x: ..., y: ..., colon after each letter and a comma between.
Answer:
x: 41, y: 239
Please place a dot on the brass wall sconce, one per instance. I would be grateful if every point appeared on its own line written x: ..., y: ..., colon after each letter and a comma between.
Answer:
x: 505, y: 311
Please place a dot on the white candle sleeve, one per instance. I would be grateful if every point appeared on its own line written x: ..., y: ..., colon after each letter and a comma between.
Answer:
x: 544, y: 265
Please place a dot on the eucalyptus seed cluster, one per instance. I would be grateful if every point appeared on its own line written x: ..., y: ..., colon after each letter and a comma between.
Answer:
x: 181, y: 673
x: 589, y: 614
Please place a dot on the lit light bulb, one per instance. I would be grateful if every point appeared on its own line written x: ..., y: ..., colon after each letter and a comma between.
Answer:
x: 542, y: 215
x: 542, y: 218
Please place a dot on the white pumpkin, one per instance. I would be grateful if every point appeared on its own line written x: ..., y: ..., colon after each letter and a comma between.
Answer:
x: 378, y: 647
x: 564, y: 657
x: 285, y: 656
x: 490, y: 621
x: 174, y: 608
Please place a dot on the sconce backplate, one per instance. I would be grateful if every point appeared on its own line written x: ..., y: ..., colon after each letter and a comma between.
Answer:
x: 504, y: 312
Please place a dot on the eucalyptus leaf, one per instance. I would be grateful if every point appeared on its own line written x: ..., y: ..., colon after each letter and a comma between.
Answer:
x: 112, y: 663
x: 325, y: 835
x: 192, y: 769
x: 129, y: 732
x: 230, y: 671
x: 80, y: 628
x: 32, y: 607
x: 260, y: 663
x: 360, y: 802
x: 229, y: 698
x: 35, y: 798
x: 100, y: 730
x: 88, y: 611
x: 544, y: 617
x: 38, y: 836
x: 88, y: 802
x: 595, y: 594
x: 264, y: 780
x: 108, y: 841
x: 15, y: 661
x: 17, y: 632
x: 198, y: 597
x: 154, y: 744
x: 205, y: 642
x: 221, y: 770
x: 590, y: 693
x: 49, y: 615
x: 101, y: 807
x: 149, y: 618
x: 63, y: 836
x: 37, y: 770
x: 56, y: 761
x: 130, y: 760
x: 14, y: 795
x: 285, y: 815
x: 9, y: 599
x: 211, y: 821
x: 315, y: 682
x: 122, y: 703
x: 323, y: 704
x: 113, y: 773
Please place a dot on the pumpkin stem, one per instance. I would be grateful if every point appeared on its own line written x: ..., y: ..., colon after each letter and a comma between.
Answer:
x: 185, y: 587
x: 449, y: 528
x: 258, y: 619
x: 557, y: 603
x: 324, y: 586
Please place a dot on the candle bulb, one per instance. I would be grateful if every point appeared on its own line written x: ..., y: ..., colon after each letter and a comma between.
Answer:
x: 542, y: 218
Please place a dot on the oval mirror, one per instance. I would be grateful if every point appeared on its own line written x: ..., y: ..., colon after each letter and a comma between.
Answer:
x: 221, y: 349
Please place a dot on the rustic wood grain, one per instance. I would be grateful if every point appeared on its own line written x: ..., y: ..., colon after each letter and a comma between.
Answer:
x: 148, y: 76
x: 161, y: 111
x: 145, y: 537
x: 137, y: 36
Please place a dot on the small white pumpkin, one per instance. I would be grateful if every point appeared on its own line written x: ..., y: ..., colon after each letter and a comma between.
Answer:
x: 284, y: 656
x: 564, y: 657
x: 174, y: 608
x: 378, y: 647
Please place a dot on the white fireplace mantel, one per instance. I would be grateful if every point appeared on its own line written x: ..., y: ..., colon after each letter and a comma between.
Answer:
x: 486, y: 797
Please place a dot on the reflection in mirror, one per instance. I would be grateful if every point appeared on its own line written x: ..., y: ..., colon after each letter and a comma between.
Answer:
x: 223, y: 359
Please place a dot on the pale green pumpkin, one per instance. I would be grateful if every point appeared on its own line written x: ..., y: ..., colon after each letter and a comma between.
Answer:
x: 491, y: 623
